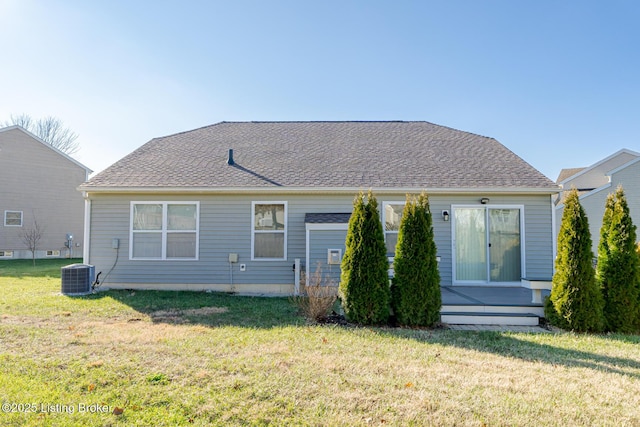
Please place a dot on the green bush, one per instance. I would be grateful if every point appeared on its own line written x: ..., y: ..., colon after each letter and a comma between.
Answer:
x: 575, y: 302
x: 364, y: 280
x: 617, y: 271
x: 415, y: 294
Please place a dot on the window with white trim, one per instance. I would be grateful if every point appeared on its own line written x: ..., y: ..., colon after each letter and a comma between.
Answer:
x: 269, y: 230
x: 391, y: 217
x: 6, y: 254
x: 164, y: 230
x: 53, y: 253
x: 13, y: 218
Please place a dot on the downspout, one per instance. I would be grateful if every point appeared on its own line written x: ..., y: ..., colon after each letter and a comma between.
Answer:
x: 306, y: 261
x: 87, y: 229
x: 554, y: 239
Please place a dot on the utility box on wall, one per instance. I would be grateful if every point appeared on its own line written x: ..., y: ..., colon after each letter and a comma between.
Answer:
x: 334, y: 256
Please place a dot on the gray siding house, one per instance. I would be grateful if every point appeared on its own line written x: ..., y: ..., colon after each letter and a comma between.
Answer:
x: 39, y: 184
x: 244, y: 206
x: 596, y: 182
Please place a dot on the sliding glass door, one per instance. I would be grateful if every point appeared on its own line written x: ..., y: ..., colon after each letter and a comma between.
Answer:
x: 487, y: 244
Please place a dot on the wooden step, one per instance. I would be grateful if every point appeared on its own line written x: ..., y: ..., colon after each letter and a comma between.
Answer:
x: 489, y: 318
x: 481, y: 308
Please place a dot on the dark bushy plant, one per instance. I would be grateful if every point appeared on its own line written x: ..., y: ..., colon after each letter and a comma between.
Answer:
x: 415, y: 294
x: 617, y: 271
x: 364, y: 280
x: 575, y: 302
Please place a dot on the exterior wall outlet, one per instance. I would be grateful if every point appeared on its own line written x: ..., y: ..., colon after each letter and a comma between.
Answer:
x: 115, y: 243
x: 233, y: 257
x: 243, y: 267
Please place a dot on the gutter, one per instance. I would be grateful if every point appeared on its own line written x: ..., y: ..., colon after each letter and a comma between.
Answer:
x: 315, y: 190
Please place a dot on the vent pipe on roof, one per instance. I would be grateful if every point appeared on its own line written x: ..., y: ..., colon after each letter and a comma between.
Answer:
x: 230, y: 161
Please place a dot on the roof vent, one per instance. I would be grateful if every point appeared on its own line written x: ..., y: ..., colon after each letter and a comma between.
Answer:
x: 230, y: 161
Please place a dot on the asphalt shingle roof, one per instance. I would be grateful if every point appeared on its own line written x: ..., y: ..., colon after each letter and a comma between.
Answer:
x: 567, y: 173
x: 322, y: 154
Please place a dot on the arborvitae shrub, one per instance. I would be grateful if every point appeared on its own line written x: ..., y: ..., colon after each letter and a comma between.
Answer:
x: 364, y: 279
x: 415, y: 294
x: 575, y: 302
x: 617, y: 271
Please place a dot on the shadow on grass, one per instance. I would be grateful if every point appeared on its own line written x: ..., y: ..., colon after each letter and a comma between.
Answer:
x: 510, y: 345
x: 212, y: 309
x: 269, y: 312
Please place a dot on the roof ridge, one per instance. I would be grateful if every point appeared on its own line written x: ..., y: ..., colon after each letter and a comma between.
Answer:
x: 318, y: 122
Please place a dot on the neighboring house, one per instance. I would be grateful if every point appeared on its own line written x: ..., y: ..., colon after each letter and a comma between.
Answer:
x: 39, y: 185
x: 596, y: 182
x: 236, y: 206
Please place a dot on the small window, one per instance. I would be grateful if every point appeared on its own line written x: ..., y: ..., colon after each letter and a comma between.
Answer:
x: 6, y: 254
x: 53, y: 253
x: 13, y: 218
x: 163, y: 230
x: 392, y: 215
x: 269, y: 231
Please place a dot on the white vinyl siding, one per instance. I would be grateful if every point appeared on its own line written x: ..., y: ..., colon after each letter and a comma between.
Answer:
x: 13, y: 218
x: 269, y: 231
x: 164, y: 230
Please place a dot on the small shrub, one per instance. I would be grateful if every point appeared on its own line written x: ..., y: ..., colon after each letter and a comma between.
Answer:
x: 318, y: 295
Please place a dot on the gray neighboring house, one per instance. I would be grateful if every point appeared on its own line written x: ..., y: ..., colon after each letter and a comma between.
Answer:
x: 39, y: 183
x: 596, y: 182
x: 244, y: 206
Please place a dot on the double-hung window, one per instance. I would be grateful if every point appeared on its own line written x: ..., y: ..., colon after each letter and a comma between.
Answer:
x: 269, y: 230
x: 13, y: 218
x: 164, y: 230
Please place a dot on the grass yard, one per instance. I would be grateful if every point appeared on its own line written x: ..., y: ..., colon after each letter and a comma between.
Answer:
x: 202, y: 359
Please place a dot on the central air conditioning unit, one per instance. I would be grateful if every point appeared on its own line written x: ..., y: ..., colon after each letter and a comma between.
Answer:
x: 77, y: 279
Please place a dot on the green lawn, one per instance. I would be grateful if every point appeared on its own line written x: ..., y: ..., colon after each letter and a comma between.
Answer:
x: 186, y: 358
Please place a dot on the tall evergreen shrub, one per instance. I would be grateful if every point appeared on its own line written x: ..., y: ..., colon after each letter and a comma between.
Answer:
x: 364, y: 280
x: 415, y: 294
x: 617, y: 271
x: 575, y: 302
